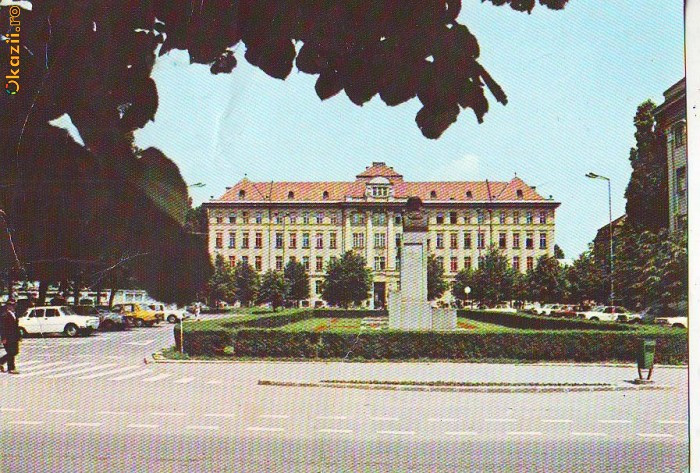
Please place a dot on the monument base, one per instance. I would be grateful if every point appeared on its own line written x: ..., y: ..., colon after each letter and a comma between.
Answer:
x: 408, y: 314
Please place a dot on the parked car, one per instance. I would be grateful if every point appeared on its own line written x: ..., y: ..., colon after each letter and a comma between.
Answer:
x: 610, y: 314
x: 501, y: 308
x: 138, y: 315
x: 171, y: 315
x: 108, y: 320
x: 547, y: 309
x: 677, y: 322
x: 56, y: 319
x: 564, y: 310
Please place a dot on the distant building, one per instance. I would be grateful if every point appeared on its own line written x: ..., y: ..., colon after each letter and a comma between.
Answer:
x: 671, y: 119
x: 266, y: 224
x: 601, y: 243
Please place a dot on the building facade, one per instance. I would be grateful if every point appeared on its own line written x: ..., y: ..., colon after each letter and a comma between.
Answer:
x: 267, y: 224
x: 671, y: 119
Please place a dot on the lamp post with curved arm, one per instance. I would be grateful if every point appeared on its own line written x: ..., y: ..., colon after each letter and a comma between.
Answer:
x: 592, y: 175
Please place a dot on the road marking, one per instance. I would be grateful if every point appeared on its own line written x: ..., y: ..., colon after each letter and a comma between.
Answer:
x: 615, y: 421
x: 331, y: 417
x: 11, y: 409
x: 336, y: 431
x: 60, y: 411
x: 140, y: 344
x: 265, y: 429
x: 184, y: 380
x: 51, y: 370
x: 27, y: 422
x: 113, y: 413
x: 524, y: 433
x: 672, y: 421
x: 501, y: 420
x: 396, y: 432
x: 557, y: 421
x: 168, y: 414
x: 142, y: 426
x: 85, y: 370
x: 83, y: 424
x: 463, y: 432
x: 589, y: 434
x: 131, y: 375
x: 655, y: 435
x: 157, y: 377
x: 392, y: 419
x: 202, y: 427
x: 107, y: 373
x: 228, y: 416
x: 441, y: 419
x: 41, y: 366
x: 274, y: 416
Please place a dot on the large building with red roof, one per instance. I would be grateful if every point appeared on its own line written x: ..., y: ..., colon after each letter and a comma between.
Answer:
x: 266, y: 224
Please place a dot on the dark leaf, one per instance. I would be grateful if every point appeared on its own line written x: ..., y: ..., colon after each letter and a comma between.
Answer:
x: 328, y: 84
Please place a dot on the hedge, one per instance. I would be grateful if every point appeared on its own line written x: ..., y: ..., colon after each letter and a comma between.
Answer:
x: 348, y: 313
x: 522, y: 321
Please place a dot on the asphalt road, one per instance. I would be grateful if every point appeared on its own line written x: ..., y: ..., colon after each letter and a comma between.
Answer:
x: 92, y: 404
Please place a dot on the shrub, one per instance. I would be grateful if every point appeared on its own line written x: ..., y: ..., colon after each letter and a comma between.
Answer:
x: 326, y: 313
x: 532, y: 322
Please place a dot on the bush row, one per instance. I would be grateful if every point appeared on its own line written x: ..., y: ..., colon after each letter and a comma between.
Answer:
x: 522, y: 321
x: 348, y: 313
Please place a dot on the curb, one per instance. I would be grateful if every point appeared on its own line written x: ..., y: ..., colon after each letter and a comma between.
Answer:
x: 474, y: 389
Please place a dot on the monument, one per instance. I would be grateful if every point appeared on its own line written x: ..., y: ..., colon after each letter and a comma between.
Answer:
x: 408, y: 307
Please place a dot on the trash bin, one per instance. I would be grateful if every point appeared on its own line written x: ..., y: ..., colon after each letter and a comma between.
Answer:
x: 645, y: 360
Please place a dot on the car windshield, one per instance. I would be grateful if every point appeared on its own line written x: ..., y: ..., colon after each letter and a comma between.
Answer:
x: 68, y: 310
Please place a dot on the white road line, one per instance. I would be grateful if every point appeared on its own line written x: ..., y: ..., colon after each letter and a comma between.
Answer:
x: 202, y: 427
x: 157, y: 377
x: 84, y: 370
x: 228, y: 416
x: 331, y: 417
x: 523, y: 433
x: 396, y: 432
x: 27, y: 422
x: 614, y: 421
x: 464, y: 432
x: 672, y: 421
x: 11, y: 409
x: 107, y: 373
x: 131, y: 375
x: 336, y: 431
x: 42, y: 366
x: 142, y: 426
x: 83, y: 424
x: 441, y: 419
x: 168, y: 414
x: 274, y: 416
x: 184, y: 380
x: 557, y: 421
x: 501, y: 420
x: 265, y: 429
x: 113, y: 413
x: 589, y: 434
x: 52, y: 370
x: 60, y: 411
x: 655, y: 435
x: 381, y: 419
x: 140, y: 344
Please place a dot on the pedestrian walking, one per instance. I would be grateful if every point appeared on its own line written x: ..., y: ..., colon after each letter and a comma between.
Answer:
x: 9, y: 332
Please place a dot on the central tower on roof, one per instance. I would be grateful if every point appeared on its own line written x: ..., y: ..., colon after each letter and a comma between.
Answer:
x: 379, y: 169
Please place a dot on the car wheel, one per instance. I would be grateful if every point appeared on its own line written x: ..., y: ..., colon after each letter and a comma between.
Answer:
x: 172, y: 319
x: 594, y: 319
x: 22, y: 332
x: 71, y: 330
x: 108, y: 325
x: 138, y: 322
x: 149, y: 324
x: 678, y: 326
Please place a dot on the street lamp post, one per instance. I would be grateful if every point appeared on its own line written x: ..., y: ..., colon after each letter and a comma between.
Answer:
x: 592, y: 175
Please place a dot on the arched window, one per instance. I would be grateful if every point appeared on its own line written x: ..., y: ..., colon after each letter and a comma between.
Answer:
x: 469, y: 194
x: 519, y: 194
x: 290, y: 195
x: 241, y: 194
x: 325, y: 195
x: 433, y: 194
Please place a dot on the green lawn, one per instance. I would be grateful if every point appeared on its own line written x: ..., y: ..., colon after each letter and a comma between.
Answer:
x: 324, y: 324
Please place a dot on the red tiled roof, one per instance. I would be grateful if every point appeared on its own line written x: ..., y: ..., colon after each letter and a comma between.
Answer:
x: 379, y: 169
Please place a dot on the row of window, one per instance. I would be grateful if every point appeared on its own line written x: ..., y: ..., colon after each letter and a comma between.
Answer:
x: 529, y: 263
x: 481, y: 240
x: 279, y: 240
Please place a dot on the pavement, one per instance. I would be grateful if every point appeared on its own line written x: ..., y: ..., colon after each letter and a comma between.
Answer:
x: 92, y: 404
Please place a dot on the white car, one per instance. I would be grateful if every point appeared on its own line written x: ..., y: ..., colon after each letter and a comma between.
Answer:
x: 610, y: 314
x: 501, y: 308
x: 171, y: 315
x: 56, y: 319
x: 678, y: 322
x: 547, y: 309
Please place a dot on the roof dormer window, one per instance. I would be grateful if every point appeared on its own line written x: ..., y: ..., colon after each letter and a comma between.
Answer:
x: 290, y: 195
x: 325, y: 195
x: 433, y: 195
x: 469, y: 195
x: 241, y: 194
x: 519, y: 194
x: 378, y: 187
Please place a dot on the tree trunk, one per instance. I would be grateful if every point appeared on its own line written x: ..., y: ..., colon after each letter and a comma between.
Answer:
x: 98, y: 297
x: 43, y: 287
x: 112, y: 293
x: 76, y: 291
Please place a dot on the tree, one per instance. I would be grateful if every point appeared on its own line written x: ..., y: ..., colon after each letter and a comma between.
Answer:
x: 547, y: 281
x: 347, y: 280
x: 493, y: 279
x: 221, y: 286
x: 585, y: 279
x: 246, y: 282
x: 272, y: 289
x: 196, y: 220
x: 558, y: 252
x: 297, y: 282
x: 645, y: 210
x: 437, y: 285
x: 464, y: 278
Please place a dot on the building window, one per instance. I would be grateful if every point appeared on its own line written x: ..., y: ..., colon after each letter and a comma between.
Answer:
x: 319, y: 286
x: 519, y: 194
x: 427, y: 244
x: 334, y: 218
x: 279, y: 240
x: 467, y: 240
x: 319, y: 218
x: 529, y: 241
x: 530, y: 263
x: 244, y: 260
x: 440, y: 218
x: 358, y: 218
x: 467, y: 218
x: 479, y: 217
x: 453, y: 241
x: 245, y: 217
x: 469, y: 194
x: 292, y: 240
x: 380, y: 240
x: 232, y: 218
x: 231, y: 240
x: 379, y: 219
x: 453, y: 218
x: 258, y: 263
x: 358, y: 240
x: 319, y: 241
x: 219, y: 219
x: 258, y: 217
x: 305, y: 218
x: 678, y: 136
x: 232, y: 260
x: 379, y: 263
x: 543, y: 241
x: 278, y: 263
x: 290, y: 195
x: 440, y: 262
x: 380, y: 191
x: 292, y: 218
x: 543, y: 216
x: 305, y: 262
x: 480, y: 241
x: 397, y: 219
x: 334, y: 241
x: 258, y: 240
x: 241, y: 194
x: 325, y: 195
x: 453, y: 264
x: 305, y: 240
x: 501, y: 240
x: 680, y: 180
x: 502, y: 218
x: 319, y: 264
x: 516, y: 263
x: 292, y: 259
x: 516, y: 240
x: 433, y: 195
x: 467, y: 262
x: 245, y: 241
x: 528, y: 217
x: 219, y: 240
x: 279, y: 219
x: 439, y: 241
x: 516, y: 218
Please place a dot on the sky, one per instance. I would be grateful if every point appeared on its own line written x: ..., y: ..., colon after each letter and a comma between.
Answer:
x: 574, y: 79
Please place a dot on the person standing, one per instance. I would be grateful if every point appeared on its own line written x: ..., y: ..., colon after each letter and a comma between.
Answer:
x: 197, y: 311
x: 9, y: 330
